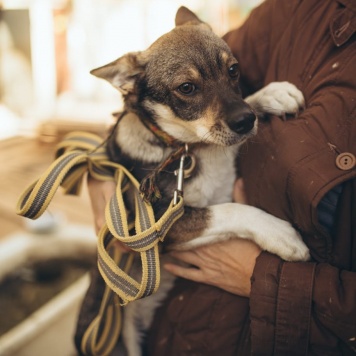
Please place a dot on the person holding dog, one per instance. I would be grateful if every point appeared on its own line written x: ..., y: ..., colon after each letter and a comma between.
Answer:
x: 237, y: 299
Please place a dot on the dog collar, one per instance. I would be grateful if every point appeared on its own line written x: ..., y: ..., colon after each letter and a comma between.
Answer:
x: 163, y: 136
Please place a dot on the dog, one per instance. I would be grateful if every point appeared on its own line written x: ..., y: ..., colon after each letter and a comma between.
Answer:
x: 185, y: 87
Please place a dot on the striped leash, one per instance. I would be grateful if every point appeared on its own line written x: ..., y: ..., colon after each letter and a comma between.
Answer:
x: 76, y: 155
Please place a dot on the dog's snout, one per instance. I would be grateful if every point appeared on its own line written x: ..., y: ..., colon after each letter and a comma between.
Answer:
x: 243, y: 123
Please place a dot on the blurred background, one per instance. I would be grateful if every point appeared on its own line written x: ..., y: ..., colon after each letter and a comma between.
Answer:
x: 47, y: 48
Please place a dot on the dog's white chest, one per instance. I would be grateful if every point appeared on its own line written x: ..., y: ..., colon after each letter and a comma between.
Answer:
x: 214, y: 182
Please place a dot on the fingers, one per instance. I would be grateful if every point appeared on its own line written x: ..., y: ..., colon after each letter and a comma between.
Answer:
x: 100, y: 193
x: 122, y: 247
x: 191, y: 273
x: 188, y: 258
x: 239, y: 194
x: 227, y: 265
x: 103, y: 189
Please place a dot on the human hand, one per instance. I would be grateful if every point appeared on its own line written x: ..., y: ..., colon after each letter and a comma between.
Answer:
x: 100, y: 192
x: 227, y: 265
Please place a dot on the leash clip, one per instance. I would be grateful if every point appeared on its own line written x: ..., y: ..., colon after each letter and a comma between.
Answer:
x: 179, y: 173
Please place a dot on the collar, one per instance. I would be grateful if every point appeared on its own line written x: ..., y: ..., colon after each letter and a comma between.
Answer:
x: 163, y: 136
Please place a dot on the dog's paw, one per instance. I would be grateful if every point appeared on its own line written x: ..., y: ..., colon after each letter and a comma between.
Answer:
x: 276, y: 236
x: 290, y: 245
x: 279, y: 237
x: 278, y: 98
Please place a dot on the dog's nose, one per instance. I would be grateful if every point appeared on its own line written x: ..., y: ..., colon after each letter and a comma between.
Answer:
x: 242, y: 123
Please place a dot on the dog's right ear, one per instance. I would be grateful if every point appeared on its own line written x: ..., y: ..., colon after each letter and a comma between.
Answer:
x: 123, y: 72
x: 185, y: 16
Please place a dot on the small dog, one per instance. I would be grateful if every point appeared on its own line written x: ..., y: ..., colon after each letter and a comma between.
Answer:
x: 186, y: 86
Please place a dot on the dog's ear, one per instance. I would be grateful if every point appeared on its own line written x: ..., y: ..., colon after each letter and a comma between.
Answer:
x: 123, y: 72
x: 184, y: 15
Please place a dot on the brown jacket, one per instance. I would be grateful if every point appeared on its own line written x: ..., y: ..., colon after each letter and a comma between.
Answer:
x: 294, y: 308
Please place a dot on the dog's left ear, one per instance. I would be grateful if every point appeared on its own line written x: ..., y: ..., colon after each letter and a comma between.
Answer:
x: 123, y: 72
x: 184, y: 16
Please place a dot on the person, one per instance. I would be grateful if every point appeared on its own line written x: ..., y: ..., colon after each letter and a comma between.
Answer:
x: 236, y: 299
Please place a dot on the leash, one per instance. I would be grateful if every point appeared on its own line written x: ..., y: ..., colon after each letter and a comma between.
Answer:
x: 102, y: 333
x: 81, y: 153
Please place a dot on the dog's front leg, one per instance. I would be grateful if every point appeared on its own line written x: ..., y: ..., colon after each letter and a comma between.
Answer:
x: 221, y: 222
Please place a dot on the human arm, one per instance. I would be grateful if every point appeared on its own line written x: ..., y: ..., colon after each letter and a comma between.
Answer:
x: 293, y: 306
x: 309, y: 307
x: 301, y: 308
x: 292, y: 165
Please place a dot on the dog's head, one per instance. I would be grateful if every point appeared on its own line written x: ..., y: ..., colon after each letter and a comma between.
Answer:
x: 187, y: 82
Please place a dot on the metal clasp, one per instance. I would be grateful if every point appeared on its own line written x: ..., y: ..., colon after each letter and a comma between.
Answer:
x: 182, y: 173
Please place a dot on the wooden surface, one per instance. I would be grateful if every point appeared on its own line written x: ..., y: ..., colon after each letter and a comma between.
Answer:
x: 22, y: 161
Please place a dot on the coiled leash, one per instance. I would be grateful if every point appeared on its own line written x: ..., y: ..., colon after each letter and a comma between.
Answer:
x: 80, y: 153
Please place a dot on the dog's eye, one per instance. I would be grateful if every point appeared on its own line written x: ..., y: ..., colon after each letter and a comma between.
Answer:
x: 234, y: 71
x: 187, y: 88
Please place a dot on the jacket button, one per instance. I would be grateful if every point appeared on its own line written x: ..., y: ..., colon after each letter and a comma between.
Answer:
x: 345, y: 161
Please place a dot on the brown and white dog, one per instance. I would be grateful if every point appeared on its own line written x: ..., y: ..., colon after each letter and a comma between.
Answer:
x: 186, y: 85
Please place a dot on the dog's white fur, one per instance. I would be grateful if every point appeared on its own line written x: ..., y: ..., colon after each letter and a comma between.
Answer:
x: 212, y: 188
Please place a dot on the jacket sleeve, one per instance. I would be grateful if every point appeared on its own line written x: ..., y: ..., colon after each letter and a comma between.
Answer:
x: 302, y: 308
x: 297, y: 308
x: 308, y: 308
